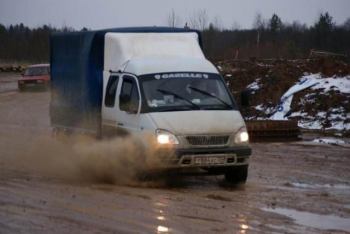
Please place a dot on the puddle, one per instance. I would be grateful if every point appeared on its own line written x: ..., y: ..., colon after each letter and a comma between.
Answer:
x: 320, y: 186
x: 325, y: 222
x: 162, y: 229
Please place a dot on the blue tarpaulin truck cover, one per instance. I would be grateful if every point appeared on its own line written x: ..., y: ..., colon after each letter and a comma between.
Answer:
x: 77, y: 61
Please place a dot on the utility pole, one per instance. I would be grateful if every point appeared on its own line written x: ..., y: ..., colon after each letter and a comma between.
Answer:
x: 258, y: 44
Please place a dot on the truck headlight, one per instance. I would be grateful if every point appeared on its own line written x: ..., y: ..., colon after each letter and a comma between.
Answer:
x: 165, y: 137
x: 242, y: 136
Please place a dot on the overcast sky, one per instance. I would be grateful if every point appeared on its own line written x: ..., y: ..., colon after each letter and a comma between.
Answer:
x: 97, y: 14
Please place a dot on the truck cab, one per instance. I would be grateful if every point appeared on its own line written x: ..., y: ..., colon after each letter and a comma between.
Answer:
x: 177, y: 96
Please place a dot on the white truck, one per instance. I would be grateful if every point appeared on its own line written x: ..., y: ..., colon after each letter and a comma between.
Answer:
x: 151, y: 80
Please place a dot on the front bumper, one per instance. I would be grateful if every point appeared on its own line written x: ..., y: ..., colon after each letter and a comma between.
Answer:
x: 22, y: 84
x: 207, y: 157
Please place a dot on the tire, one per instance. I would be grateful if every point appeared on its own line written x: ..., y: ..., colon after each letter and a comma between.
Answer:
x: 20, y: 88
x: 237, y: 175
x: 47, y: 87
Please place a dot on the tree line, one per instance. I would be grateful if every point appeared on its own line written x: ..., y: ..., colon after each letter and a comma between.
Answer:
x: 272, y: 38
x: 19, y: 43
x: 268, y: 38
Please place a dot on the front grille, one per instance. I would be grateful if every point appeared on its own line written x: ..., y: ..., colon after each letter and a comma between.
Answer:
x: 207, y: 140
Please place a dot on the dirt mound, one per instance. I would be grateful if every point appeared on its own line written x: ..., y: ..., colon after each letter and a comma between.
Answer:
x: 268, y: 80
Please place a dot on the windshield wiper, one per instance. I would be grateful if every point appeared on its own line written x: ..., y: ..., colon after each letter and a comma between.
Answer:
x: 178, y: 96
x: 210, y: 95
x: 177, y: 108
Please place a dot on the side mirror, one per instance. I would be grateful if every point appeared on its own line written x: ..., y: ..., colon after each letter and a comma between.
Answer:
x: 245, y: 98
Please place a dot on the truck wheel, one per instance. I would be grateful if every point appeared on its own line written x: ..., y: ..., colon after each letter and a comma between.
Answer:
x: 20, y: 88
x: 237, y: 175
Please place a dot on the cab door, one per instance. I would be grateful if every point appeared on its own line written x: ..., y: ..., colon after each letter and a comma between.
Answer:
x: 129, y: 104
x: 109, y: 104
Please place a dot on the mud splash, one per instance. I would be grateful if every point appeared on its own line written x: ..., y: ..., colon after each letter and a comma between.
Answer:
x: 119, y: 160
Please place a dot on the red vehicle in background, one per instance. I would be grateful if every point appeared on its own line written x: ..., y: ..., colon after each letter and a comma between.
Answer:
x: 35, y: 76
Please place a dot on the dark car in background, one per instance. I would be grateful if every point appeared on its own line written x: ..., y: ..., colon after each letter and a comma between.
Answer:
x: 35, y: 76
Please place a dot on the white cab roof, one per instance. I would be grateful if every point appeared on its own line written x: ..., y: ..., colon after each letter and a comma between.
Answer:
x: 151, y: 65
x: 136, y: 48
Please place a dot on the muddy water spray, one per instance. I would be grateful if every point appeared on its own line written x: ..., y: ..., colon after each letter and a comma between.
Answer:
x: 117, y: 160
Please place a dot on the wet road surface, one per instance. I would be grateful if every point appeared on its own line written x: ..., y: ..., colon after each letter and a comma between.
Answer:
x: 292, y: 188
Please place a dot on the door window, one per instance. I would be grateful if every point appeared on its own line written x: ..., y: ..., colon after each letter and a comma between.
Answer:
x: 129, y: 95
x: 111, y: 90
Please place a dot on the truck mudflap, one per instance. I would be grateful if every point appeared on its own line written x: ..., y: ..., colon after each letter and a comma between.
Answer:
x: 208, y: 157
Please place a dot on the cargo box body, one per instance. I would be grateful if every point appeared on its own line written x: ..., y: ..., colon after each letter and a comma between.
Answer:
x: 77, y: 63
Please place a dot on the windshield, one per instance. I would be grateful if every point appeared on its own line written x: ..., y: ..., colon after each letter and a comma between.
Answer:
x: 37, y: 71
x: 185, y: 91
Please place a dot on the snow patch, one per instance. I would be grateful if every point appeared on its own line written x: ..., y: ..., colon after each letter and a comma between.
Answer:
x: 331, y: 141
x: 310, y: 124
x: 333, y: 119
x: 341, y: 84
x: 265, y: 109
x: 260, y: 107
x: 287, y: 98
x: 255, y: 85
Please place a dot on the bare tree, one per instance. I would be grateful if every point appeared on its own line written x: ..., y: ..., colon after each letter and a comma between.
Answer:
x: 346, y: 24
x: 173, y: 19
x: 199, y: 20
x: 217, y: 23
x: 259, y: 23
x: 235, y: 26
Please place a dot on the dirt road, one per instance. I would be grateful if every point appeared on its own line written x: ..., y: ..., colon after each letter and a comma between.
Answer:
x: 292, y: 187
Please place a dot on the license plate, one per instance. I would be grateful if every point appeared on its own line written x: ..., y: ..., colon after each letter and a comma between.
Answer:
x: 212, y: 160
